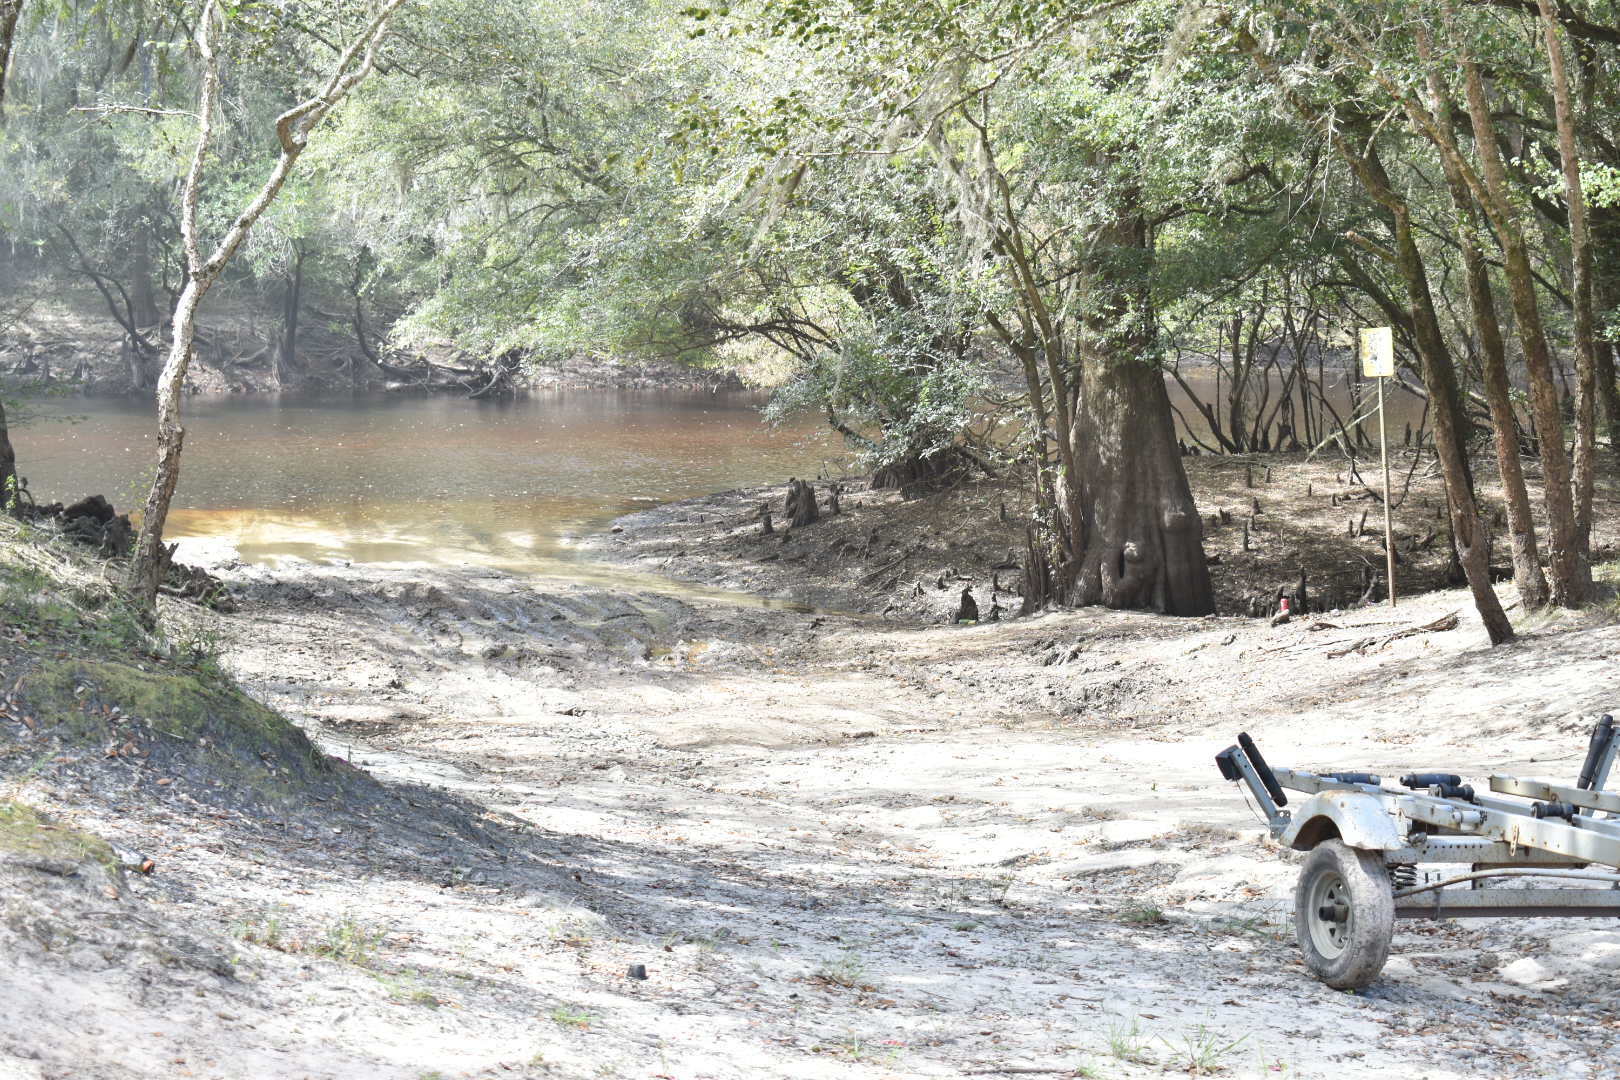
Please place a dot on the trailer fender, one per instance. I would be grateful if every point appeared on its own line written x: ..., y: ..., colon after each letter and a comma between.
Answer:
x: 1356, y: 818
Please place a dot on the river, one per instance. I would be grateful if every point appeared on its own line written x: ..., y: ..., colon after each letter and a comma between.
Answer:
x: 408, y: 479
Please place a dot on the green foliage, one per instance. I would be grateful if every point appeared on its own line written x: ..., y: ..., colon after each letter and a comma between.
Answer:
x: 898, y: 204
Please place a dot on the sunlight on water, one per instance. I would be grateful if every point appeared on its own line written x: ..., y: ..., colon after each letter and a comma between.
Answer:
x: 426, y: 480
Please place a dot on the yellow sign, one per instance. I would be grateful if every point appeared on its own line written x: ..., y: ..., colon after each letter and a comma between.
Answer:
x: 1377, y: 352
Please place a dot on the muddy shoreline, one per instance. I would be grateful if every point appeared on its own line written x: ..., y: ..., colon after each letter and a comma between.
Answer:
x: 1268, y: 521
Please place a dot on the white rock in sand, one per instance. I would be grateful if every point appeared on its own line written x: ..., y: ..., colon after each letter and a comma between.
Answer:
x: 1527, y: 971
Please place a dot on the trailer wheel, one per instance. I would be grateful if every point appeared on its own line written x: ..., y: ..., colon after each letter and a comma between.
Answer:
x: 1344, y: 914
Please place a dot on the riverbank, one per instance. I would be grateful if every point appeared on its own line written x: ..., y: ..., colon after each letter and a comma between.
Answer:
x: 57, y: 334
x: 835, y: 846
x: 1268, y: 520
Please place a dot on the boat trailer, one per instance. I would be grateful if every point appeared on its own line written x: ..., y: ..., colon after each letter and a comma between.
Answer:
x: 1367, y: 842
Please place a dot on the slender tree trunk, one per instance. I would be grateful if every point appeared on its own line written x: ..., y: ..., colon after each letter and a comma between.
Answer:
x: 149, y: 563
x: 293, y: 129
x: 9, y: 11
x: 1609, y: 392
x: 8, y: 466
x: 1471, y: 537
x: 287, y: 353
x: 142, y: 297
x: 1606, y: 296
x: 360, y: 333
x: 1141, y: 540
x: 1527, y: 574
x: 1580, y: 246
x: 1235, y: 420
x: 1565, y: 547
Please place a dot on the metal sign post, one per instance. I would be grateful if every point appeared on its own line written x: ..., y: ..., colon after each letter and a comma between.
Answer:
x: 1378, y: 361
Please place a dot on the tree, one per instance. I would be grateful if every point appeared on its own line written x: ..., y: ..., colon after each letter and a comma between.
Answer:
x: 1586, y: 363
x: 1527, y: 572
x: 1048, y: 212
x: 292, y: 128
x: 10, y: 10
x: 8, y: 466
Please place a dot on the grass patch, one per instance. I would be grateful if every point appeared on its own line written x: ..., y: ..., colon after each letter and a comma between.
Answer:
x: 571, y: 1016
x: 346, y: 940
x: 350, y: 941
x: 847, y: 970
x: 1203, y: 1050
x: 1139, y: 913
x: 1127, y: 1043
x: 31, y: 839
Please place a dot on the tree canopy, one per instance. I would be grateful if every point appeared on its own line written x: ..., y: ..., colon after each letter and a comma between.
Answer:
x: 936, y: 222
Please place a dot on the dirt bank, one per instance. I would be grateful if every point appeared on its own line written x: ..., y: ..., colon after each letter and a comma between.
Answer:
x: 837, y: 846
x: 1267, y: 520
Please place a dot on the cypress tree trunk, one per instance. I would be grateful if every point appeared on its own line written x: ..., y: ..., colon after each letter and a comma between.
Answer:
x: 1142, y: 542
x: 1138, y: 539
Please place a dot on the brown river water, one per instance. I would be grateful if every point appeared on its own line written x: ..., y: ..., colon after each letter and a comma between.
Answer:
x: 438, y: 480
x: 394, y: 479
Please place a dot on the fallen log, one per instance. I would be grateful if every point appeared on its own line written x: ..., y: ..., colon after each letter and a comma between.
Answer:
x: 1444, y: 623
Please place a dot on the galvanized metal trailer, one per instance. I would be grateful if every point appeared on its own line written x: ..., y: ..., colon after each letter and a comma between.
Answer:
x: 1367, y: 842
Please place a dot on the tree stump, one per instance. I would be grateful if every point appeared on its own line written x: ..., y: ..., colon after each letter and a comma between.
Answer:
x: 1369, y: 579
x: 1037, y: 574
x: 765, y: 519
x: 800, y: 506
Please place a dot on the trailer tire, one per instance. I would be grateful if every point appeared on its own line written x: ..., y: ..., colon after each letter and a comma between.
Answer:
x: 1344, y: 914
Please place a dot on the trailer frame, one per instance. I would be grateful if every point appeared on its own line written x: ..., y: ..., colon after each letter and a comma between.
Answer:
x: 1367, y: 842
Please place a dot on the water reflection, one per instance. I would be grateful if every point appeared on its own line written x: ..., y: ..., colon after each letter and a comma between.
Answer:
x: 390, y: 479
